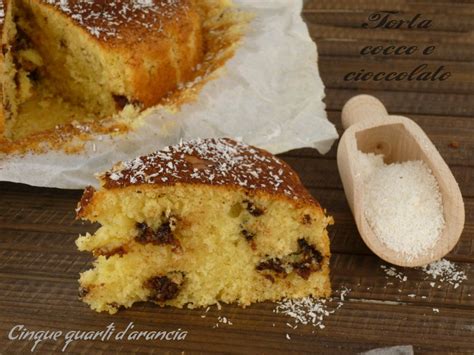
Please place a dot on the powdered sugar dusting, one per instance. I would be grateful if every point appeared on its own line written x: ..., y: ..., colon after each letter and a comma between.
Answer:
x: 105, y: 19
x: 210, y: 161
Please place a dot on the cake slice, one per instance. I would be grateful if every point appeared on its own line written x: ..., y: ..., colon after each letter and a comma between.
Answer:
x: 82, y: 60
x: 201, y: 222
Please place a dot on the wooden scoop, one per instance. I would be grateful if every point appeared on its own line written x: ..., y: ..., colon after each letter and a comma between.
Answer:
x: 370, y: 129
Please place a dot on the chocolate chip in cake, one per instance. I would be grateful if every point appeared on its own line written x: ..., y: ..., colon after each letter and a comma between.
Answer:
x: 63, y: 43
x: 309, y: 250
x: 306, y: 260
x: 252, y: 209
x: 163, y: 235
x: 34, y: 75
x: 120, y: 251
x: 120, y: 101
x: 16, y: 79
x: 307, y: 219
x: 162, y: 288
x: 83, y: 292
x: 273, y: 264
x: 250, y: 238
x: 22, y: 41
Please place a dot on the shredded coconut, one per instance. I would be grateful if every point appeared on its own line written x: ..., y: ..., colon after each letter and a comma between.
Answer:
x: 443, y: 271
x: 310, y: 310
x: 402, y: 204
x: 217, y: 161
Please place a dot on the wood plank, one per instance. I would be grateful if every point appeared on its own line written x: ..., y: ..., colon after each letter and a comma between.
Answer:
x: 324, y: 174
x: 409, y: 102
x: 362, y: 273
x: 444, y: 131
x: 352, y: 48
x: 445, y: 22
x: 334, y: 71
x: 419, y: 37
x: 425, y: 6
x: 58, y: 219
x: 344, y: 235
x: 377, y: 325
x: 365, y: 311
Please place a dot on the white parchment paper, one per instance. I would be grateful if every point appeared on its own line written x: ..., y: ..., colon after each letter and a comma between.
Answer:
x: 269, y: 95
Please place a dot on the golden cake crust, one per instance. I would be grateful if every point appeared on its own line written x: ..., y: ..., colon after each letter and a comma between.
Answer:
x: 219, y: 162
x: 209, y: 219
x: 148, y: 34
x: 160, y: 42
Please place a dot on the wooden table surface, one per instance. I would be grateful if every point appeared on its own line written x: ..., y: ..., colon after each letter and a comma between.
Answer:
x: 39, y: 263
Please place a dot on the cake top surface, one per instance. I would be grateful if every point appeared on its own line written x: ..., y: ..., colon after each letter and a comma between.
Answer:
x: 111, y: 19
x: 213, y: 162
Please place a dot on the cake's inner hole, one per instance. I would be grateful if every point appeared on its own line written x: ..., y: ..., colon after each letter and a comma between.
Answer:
x: 57, y: 76
x: 306, y: 260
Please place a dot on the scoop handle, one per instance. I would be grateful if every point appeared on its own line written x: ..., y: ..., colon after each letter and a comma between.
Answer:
x: 361, y: 108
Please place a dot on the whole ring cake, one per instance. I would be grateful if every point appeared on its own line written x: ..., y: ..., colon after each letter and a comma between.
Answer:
x: 202, y: 222
x: 75, y: 60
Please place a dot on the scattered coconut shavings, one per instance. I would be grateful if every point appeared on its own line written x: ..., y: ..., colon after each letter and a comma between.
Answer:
x: 222, y: 320
x: 214, y: 161
x: 445, y: 271
x: 391, y: 271
x: 309, y: 310
x: 436, y: 310
x: 204, y: 314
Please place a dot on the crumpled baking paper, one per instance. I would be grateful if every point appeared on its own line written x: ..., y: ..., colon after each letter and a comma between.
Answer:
x: 268, y: 95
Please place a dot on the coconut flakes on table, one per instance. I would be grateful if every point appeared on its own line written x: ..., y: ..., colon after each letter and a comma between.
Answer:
x: 309, y: 310
x: 445, y: 271
x: 442, y: 270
